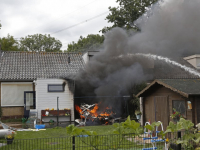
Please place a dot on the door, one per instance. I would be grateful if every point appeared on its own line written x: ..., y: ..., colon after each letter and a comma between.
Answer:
x: 161, y: 110
x: 29, y: 102
x: 198, y: 109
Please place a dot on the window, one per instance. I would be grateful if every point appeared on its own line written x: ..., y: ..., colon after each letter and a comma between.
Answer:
x: 179, y: 105
x: 12, y: 93
x: 55, y: 88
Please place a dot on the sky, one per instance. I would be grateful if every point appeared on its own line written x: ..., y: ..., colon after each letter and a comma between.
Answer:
x: 66, y: 20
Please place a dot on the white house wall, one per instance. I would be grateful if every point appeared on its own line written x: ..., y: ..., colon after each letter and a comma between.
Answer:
x: 45, y: 99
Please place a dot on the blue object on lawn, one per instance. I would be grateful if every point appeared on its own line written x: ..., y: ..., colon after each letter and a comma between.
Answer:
x: 82, y: 135
x: 40, y: 126
x: 149, y: 148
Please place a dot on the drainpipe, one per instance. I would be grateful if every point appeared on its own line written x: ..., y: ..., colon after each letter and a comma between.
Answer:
x: 141, y: 109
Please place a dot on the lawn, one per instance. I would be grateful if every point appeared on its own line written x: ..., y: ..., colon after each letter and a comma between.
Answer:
x: 57, y: 138
x: 61, y: 132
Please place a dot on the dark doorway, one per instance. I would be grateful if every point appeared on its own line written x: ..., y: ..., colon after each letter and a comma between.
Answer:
x: 198, y: 109
x: 29, y: 102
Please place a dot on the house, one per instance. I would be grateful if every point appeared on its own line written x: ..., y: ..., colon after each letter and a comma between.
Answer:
x: 162, y: 95
x: 35, y: 80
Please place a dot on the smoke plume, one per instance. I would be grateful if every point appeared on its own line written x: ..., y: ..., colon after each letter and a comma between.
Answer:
x: 170, y: 29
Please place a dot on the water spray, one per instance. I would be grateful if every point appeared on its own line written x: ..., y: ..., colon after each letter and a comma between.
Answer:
x: 165, y: 59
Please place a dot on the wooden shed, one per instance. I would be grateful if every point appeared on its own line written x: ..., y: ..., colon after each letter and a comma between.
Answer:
x: 162, y: 95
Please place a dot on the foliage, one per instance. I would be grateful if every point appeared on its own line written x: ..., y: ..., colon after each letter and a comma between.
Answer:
x: 189, y: 135
x: 0, y: 25
x: 74, y: 131
x: 134, y: 126
x: 152, y: 126
x: 176, y: 114
x: 51, y: 122
x: 91, y: 42
x: 126, y: 13
x: 9, y: 43
x: 127, y: 127
x: 10, y: 136
x: 24, y: 120
x: 40, y: 43
x: 138, y: 112
x: 134, y: 103
x: 119, y: 128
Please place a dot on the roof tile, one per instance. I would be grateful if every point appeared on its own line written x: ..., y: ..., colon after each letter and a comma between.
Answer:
x: 32, y: 65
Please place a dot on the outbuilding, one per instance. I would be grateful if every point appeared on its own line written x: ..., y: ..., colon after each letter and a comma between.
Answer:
x: 161, y: 96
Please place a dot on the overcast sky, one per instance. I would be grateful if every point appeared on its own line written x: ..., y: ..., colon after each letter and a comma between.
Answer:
x: 66, y: 20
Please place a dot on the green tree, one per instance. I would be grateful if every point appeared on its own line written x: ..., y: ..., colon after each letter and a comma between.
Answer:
x: 40, y: 43
x: 133, y: 102
x: 126, y: 13
x: 91, y: 42
x: 9, y: 43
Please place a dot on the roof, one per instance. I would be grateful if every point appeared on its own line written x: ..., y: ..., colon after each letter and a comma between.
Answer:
x: 163, y: 70
x: 33, y: 65
x: 184, y: 87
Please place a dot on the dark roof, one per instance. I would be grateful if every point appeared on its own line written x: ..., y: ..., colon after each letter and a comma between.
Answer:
x: 33, y: 65
x: 163, y: 70
x: 159, y: 69
x: 184, y: 87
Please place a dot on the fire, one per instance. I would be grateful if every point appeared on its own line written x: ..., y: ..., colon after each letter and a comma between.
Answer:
x: 94, y: 111
x: 105, y: 114
x: 80, y: 111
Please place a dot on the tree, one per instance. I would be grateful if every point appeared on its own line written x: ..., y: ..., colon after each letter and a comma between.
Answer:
x: 126, y: 13
x: 9, y: 43
x: 40, y: 43
x: 133, y: 102
x: 91, y: 42
x: 0, y: 26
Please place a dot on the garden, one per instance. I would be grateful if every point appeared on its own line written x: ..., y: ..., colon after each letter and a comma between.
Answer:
x: 128, y: 135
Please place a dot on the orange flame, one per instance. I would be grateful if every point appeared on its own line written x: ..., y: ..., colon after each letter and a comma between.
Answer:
x: 94, y: 110
x: 79, y: 110
x: 105, y: 114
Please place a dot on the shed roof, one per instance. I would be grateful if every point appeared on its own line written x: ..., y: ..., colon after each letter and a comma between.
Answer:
x: 33, y: 65
x: 184, y: 87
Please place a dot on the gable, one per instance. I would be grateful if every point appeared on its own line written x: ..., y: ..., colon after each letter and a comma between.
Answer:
x: 184, y: 87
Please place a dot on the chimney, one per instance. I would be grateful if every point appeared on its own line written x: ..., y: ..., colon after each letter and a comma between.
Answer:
x: 69, y: 61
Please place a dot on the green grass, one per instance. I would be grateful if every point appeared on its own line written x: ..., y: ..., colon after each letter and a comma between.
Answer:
x: 44, y: 141
x: 60, y: 132
x: 47, y: 139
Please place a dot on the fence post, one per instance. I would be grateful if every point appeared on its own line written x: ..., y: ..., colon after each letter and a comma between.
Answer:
x: 179, y: 136
x: 73, y: 142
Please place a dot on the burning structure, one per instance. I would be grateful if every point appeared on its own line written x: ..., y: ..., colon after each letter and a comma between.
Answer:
x: 168, y: 29
x: 91, y: 112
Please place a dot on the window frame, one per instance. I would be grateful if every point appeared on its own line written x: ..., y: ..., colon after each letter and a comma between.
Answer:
x: 63, y: 89
x: 185, y: 114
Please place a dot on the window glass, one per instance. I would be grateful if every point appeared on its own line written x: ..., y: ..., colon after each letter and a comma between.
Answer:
x: 12, y: 93
x: 179, y: 105
x: 55, y: 88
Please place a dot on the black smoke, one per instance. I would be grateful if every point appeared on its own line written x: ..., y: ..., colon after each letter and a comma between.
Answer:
x: 170, y: 29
